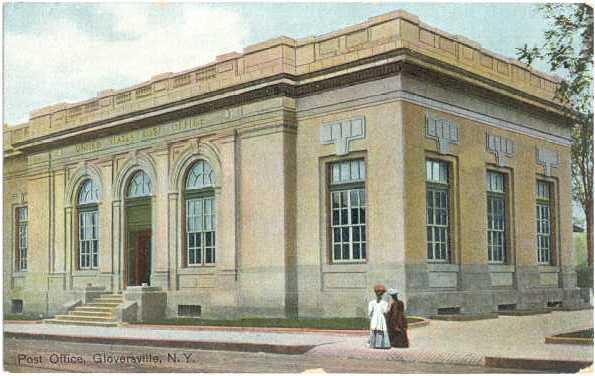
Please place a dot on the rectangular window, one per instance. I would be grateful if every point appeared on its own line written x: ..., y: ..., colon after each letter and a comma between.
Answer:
x: 348, y: 211
x: 544, y: 222
x: 438, y: 213
x: 22, y: 233
x: 496, y: 202
x: 88, y: 240
x: 200, y: 227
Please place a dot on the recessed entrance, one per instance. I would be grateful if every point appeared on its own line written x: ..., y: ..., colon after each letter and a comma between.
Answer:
x: 138, y: 230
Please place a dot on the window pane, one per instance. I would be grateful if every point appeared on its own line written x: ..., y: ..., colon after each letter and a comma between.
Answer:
x: 337, y: 252
x: 347, y: 224
x: 356, y: 251
x: 437, y: 223
x: 345, y: 254
x: 348, y: 171
x: 201, y: 235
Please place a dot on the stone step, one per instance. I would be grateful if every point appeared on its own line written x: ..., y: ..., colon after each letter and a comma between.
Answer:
x: 106, y: 315
x: 109, y: 300
x: 72, y: 317
x: 81, y: 322
x: 94, y: 309
x: 117, y: 296
x: 103, y: 305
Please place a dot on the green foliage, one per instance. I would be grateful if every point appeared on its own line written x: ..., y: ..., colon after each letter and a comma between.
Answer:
x: 20, y: 316
x: 568, y: 49
x: 580, y: 248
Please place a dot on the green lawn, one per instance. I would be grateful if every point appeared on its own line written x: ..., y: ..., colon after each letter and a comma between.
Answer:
x: 14, y: 316
x: 310, y: 323
x: 585, y: 333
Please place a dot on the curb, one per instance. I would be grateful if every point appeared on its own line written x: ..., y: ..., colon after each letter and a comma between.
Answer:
x: 244, y: 329
x: 566, y: 366
x: 464, y: 317
x: 202, y: 345
x: 363, y: 332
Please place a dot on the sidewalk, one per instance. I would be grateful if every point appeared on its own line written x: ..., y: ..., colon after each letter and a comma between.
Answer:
x: 516, y: 341
x: 508, y: 341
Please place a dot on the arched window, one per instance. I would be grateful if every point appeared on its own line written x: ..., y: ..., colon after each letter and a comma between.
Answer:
x: 88, y: 198
x: 200, y: 214
x: 140, y: 185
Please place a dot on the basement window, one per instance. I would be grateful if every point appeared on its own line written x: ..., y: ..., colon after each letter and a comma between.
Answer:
x: 506, y: 307
x: 17, y: 306
x: 189, y: 310
x: 554, y: 304
x: 449, y: 311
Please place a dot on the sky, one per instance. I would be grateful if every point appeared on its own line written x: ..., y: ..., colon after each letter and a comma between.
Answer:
x: 67, y: 52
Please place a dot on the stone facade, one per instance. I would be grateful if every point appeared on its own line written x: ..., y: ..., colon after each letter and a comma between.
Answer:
x: 270, y: 122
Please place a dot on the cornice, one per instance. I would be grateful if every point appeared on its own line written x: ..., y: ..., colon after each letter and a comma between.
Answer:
x: 366, y: 69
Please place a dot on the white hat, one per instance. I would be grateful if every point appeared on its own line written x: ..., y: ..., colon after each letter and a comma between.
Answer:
x: 392, y: 292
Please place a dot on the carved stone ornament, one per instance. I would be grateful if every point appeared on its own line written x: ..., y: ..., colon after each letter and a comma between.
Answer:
x: 547, y: 158
x: 444, y: 131
x: 502, y: 147
x: 342, y: 133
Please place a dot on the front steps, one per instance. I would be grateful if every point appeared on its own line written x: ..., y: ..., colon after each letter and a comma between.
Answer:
x: 101, y: 312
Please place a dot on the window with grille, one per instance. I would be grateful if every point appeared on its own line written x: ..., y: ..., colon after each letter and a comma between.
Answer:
x: 140, y: 185
x: 438, y: 211
x: 496, y: 211
x: 88, y: 224
x: 348, y: 211
x: 22, y: 217
x: 544, y: 222
x: 201, y: 219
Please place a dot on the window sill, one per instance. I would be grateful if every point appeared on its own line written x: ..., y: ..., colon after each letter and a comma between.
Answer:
x: 543, y: 268
x: 345, y: 267
x: 198, y: 269
x: 501, y: 268
x: 437, y: 266
x: 19, y: 274
x: 85, y: 272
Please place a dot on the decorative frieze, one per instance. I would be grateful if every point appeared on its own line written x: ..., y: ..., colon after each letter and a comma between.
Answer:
x: 342, y: 133
x: 547, y: 158
x: 502, y: 147
x: 444, y: 131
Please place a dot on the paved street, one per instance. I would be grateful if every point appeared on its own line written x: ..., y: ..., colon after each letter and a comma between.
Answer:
x: 52, y: 356
x: 442, y: 346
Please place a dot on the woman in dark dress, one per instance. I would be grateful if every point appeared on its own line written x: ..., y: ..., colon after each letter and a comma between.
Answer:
x: 397, y: 322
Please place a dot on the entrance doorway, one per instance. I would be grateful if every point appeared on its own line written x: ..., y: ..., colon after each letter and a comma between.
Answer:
x: 139, y: 258
x: 138, y: 231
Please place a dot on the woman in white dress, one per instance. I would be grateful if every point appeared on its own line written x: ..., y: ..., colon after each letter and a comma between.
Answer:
x: 377, y: 310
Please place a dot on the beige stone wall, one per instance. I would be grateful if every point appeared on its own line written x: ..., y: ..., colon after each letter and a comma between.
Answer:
x: 324, y: 286
x: 470, y: 160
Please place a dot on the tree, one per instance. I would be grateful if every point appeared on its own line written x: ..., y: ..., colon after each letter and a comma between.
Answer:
x: 568, y: 50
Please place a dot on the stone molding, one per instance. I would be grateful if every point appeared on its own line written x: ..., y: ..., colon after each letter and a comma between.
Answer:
x: 82, y: 172
x: 341, y: 133
x: 443, y: 130
x: 548, y: 158
x: 501, y: 147
x: 194, y: 152
x: 134, y: 162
